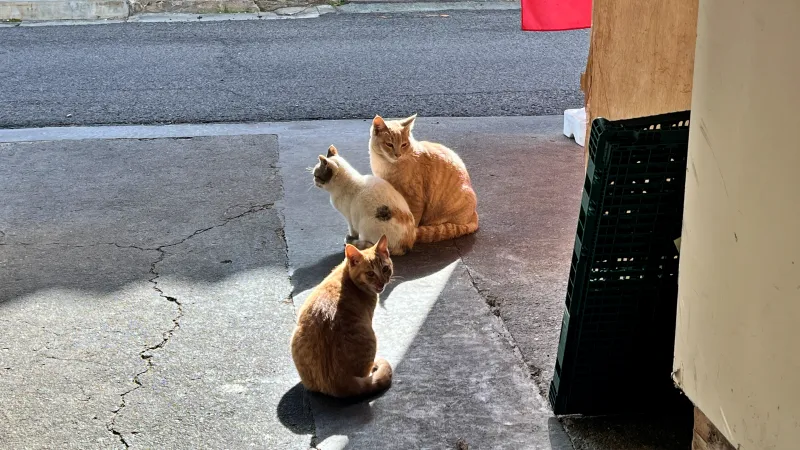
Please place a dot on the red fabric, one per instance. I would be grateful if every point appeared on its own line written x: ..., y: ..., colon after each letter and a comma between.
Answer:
x: 556, y: 15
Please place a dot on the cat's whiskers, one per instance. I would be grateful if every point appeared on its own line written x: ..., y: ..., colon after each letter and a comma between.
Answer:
x: 312, y: 186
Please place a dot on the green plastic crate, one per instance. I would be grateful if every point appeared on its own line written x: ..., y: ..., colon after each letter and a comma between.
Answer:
x: 618, y: 330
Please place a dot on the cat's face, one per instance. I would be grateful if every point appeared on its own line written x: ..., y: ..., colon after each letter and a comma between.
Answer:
x: 325, y: 170
x: 391, y: 139
x: 370, y: 269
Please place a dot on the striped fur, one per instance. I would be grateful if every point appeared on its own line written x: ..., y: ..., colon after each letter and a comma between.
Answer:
x: 441, y: 232
x: 334, y: 345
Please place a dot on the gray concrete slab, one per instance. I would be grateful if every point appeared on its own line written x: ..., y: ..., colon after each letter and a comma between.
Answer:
x: 530, y: 188
x: 145, y: 194
x: 220, y: 273
x: 111, y: 249
x: 528, y: 178
x: 217, y: 382
x: 18, y: 10
x: 458, y: 372
x: 73, y: 322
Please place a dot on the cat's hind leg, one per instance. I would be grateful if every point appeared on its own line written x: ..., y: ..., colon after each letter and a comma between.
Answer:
x: 352, y: 235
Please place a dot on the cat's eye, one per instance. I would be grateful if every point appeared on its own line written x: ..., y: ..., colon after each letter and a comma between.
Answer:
x: 371, y: 274
x: 385, y: 269
x: 390, y: 145
x: 405, y: 144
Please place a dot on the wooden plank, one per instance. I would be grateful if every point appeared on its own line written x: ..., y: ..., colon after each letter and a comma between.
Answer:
x: 698, y: 443
x: 641, y: 59
x: 706, y: 435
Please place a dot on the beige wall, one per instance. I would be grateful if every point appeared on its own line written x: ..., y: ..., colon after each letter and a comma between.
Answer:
x: 737, y: 353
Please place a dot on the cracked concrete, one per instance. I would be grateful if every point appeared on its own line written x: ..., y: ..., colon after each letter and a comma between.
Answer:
x: 92, y: 305
x: 146, y: 298
x: 65, y: 355
x: 230, y: 323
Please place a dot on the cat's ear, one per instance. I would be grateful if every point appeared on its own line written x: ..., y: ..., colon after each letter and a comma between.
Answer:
x: 354, y: 256
x: 378, y: 124
x: 332, y: 151
x: 382, y: 246
x: 323, y: 160
x: 408, y: 122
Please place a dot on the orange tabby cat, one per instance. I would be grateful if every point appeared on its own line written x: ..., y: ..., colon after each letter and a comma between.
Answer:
x: 334, y: 345
x: 431, y: 177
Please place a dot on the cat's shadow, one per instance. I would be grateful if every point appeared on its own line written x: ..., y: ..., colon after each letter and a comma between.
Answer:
x: 307, y: 277
x: 295, y: 407
x: 295, y: 410
x: 421, y: 261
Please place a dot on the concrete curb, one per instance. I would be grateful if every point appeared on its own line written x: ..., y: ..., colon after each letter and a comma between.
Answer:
x: 83, y: 12
x: 23, y: 10
x: 387, y: 8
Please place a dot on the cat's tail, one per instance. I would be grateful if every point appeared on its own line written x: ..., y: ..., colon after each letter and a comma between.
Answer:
x: 378, y: 380
x: 442, y: 232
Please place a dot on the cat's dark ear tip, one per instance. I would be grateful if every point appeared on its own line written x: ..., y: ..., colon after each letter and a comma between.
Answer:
x: 332, y: 151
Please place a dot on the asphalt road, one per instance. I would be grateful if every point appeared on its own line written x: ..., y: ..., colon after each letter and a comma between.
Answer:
x: 458, y: 63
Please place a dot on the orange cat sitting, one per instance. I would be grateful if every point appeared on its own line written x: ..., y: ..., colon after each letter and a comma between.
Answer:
x: 431, y: 177
x: 334, y: 345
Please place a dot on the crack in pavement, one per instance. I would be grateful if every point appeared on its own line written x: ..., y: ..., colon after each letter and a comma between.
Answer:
x: 250, y: 210
x: 314, y: 441
x: 282, y: 235
x: 494, y: 305
x: 147, y: 354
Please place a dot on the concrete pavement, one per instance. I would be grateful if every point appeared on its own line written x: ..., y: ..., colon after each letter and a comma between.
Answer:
x: 146, y: 296
x: 143, y: 294
x: 150, y: 276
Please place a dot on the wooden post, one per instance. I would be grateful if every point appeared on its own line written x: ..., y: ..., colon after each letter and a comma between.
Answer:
x: 641, y: 59
x: 706, y: 435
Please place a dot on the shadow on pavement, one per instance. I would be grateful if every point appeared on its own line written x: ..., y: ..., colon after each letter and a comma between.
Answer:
x: 294, y: 410
x: 668, y: 429
x: 308, y: 277
x: 419, y: 262
x: 90, y: 215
